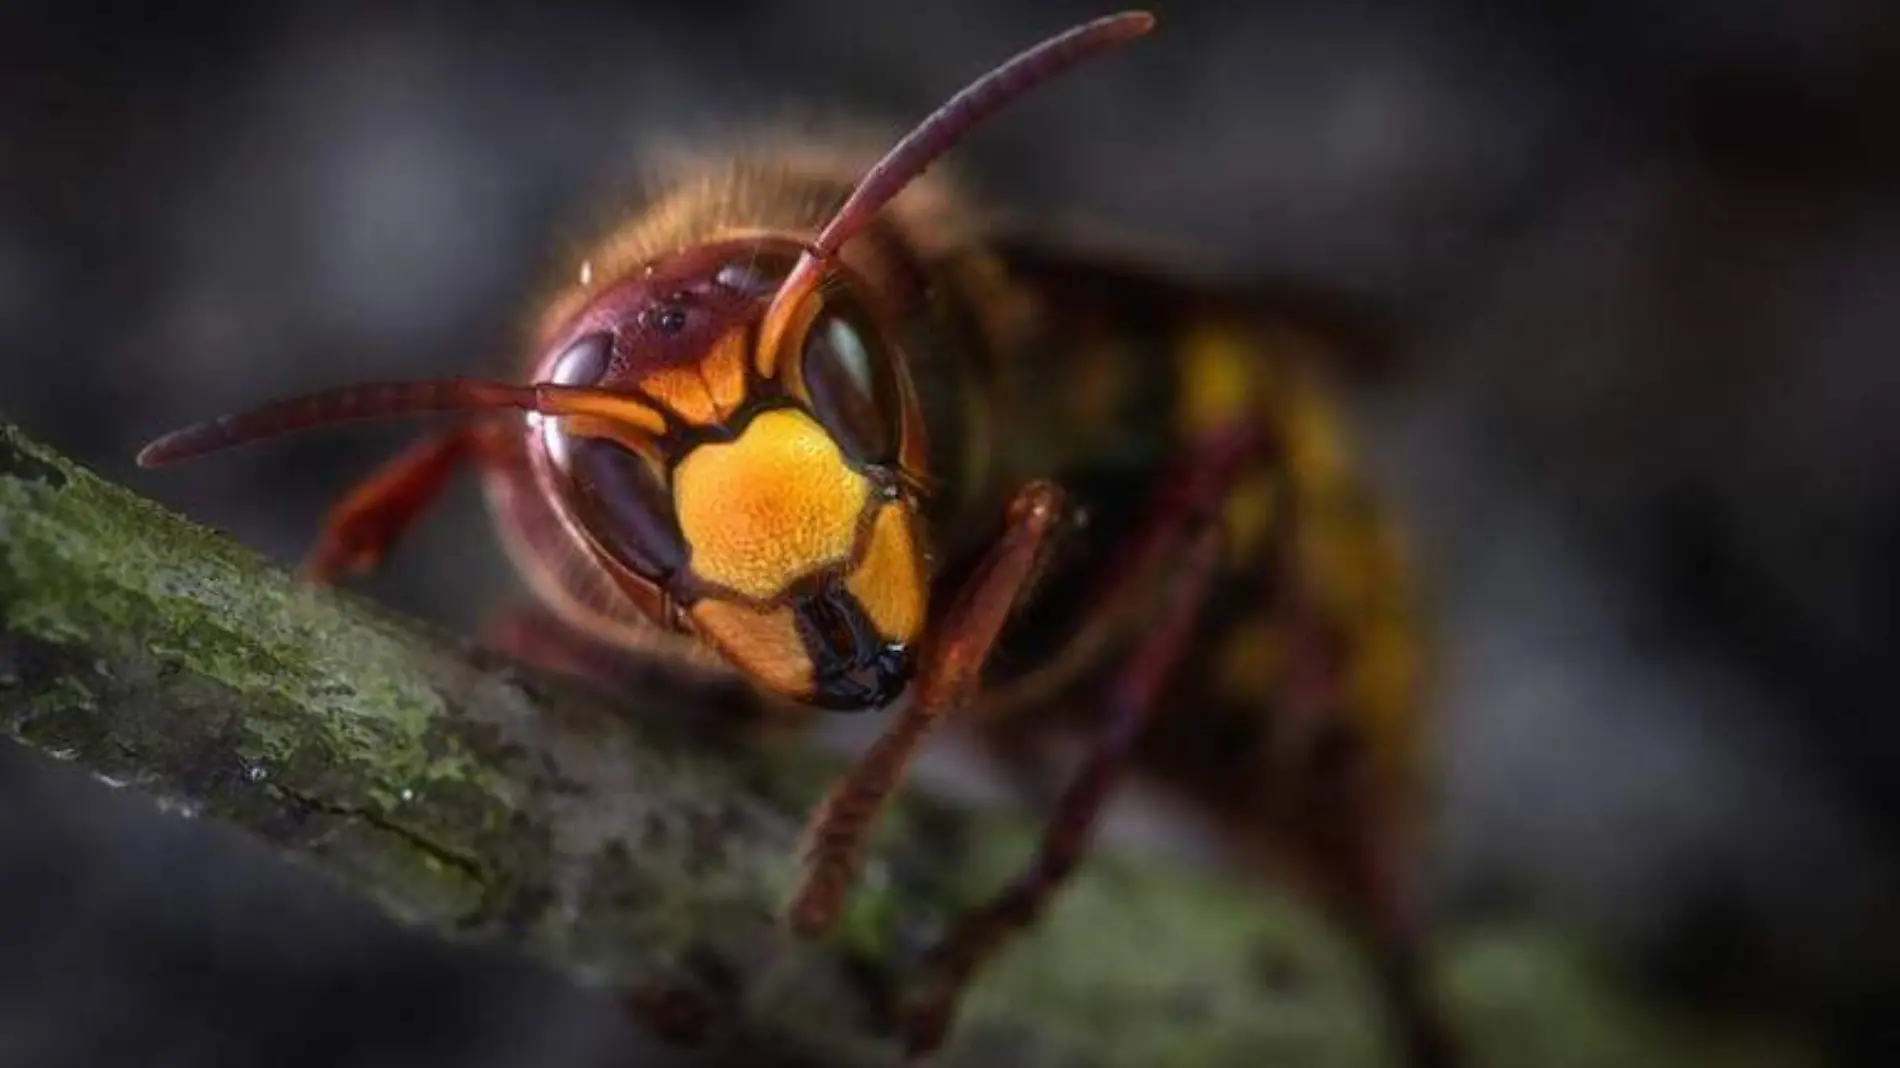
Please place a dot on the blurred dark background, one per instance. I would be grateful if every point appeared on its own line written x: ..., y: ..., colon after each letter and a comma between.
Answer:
x: 1646, y: 419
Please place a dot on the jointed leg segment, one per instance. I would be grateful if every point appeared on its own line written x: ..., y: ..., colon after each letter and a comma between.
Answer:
x: 1133, y: 701
x: 1185, y: 530
x: 1345, y: 818
x: 953, y: 664
x: 947, y: 676
x: 360, y: 531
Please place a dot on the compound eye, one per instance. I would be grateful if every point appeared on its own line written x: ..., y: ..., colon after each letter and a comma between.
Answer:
x: 584, y: 363
x: 624, y: 506
x: 757, y: 275
x: 850, y: 382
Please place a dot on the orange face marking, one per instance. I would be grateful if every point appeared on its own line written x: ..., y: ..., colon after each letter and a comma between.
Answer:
x: 765, y: 645
x: 792, y: 322
x: 708, y: 391
x: 592, y: 426
x: 723, y: 371
x: 610, y: 408
x: 683, y: 391
x: 764, y: 511
x: 889, y: 582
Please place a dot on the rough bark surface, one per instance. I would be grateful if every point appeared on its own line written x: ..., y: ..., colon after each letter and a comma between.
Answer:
x: 465, y: 795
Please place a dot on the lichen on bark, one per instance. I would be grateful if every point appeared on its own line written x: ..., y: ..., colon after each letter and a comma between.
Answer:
x: 469, y: 796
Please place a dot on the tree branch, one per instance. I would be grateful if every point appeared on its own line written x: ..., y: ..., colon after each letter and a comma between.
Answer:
x: 480, y: 800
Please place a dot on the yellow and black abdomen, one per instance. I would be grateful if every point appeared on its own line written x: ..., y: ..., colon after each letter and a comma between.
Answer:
x: 1312, y: 506
x: 1106, y: 390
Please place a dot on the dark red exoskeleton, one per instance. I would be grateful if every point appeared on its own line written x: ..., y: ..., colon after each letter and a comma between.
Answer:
x: 808, y: 420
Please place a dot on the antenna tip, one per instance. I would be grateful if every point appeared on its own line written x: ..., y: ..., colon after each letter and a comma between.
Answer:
x: 167, y: 450
x: 1127, y: 23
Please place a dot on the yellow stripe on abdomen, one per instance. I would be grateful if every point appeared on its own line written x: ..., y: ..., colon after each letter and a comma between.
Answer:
x: 1351, y: 557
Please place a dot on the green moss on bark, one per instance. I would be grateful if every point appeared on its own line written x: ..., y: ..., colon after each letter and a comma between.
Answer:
x: 470, y: 797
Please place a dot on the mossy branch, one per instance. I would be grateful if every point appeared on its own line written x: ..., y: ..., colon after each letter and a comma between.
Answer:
x: 468, y: 796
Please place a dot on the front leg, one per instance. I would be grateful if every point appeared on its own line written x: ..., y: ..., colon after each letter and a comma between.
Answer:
x: 1135, y: 697
x: 1182, y: 550
x: 947, y: 675
x: 1343, y: 819
x: 363, y: 527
